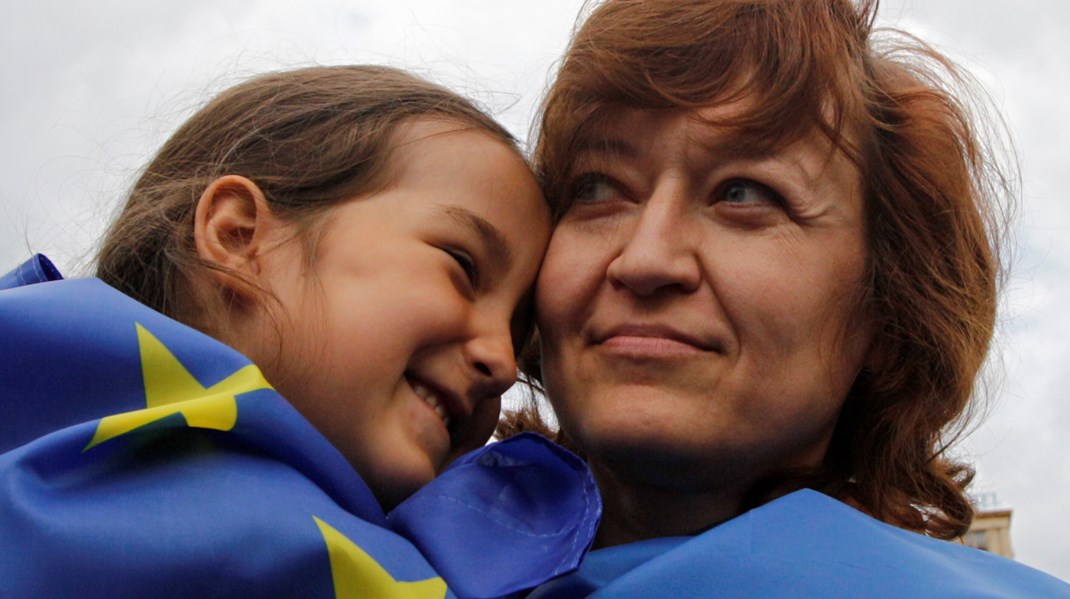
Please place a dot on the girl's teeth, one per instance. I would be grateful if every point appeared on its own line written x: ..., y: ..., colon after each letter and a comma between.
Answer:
x: 442, y: 414
x: 425, y: 394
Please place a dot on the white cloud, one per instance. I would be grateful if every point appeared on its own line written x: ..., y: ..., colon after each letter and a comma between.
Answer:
x: 93, y: 88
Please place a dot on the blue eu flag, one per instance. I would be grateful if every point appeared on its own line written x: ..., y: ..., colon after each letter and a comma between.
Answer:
x: 139, y: 457
x: 805, y: 544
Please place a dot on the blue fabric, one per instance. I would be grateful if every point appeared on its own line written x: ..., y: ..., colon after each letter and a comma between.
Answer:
x: 139, y: 457
x: 35, y: 270
x: 501, y: 495
x: 803, y: 545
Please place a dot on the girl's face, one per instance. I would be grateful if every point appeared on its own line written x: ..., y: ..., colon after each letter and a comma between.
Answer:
x: 399, y: 339
x: 698, y: 304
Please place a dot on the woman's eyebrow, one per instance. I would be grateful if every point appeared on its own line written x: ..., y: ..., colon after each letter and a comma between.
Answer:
x: 719, y: 143
x: 489, y: 235
x: 610, y: 146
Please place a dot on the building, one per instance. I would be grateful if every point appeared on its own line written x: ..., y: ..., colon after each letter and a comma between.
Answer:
x: 991, y: 527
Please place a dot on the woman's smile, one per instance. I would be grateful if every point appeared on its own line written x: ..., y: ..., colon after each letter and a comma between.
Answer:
x: 650, y: 342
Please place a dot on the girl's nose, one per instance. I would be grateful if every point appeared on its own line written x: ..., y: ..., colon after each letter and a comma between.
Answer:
x: 492, y: 359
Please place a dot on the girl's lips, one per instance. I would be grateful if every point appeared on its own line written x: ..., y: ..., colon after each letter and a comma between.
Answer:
x: 449, y: 406
x: 433, y: 401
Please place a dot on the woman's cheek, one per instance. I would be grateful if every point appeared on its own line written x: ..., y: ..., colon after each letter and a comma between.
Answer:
x: 576, y: 259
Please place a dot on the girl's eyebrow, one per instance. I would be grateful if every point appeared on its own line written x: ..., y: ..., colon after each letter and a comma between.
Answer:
x: 492, y: 239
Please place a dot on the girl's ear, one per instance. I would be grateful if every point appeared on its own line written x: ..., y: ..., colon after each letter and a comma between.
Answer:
x: 231, y: 226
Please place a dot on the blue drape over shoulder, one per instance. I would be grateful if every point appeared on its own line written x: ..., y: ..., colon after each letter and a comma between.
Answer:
x: 139, y: 458
x: 802, y: 545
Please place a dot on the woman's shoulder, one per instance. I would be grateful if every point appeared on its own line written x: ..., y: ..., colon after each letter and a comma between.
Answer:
x: 821, y: 541
x: 805, y: 544
x: 813, y: 544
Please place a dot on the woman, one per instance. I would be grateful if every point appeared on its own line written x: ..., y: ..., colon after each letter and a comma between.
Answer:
x: 772, y: 287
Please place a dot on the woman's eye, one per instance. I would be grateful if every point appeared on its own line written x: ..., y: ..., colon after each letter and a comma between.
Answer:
x: 467, y: 264
x: 745, y: 191
x: 593, y: 188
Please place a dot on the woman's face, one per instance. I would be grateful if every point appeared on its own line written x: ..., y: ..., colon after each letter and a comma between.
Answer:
x: 698, y: 303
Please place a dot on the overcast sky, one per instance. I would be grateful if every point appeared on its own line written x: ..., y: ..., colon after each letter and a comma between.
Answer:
x: 94, y: 88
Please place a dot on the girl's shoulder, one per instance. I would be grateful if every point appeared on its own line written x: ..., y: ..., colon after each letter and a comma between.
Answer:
x: 165, y: 456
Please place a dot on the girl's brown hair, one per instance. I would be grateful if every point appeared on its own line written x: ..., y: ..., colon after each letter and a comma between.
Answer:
x: 309, y: 138
x: 933, y: 195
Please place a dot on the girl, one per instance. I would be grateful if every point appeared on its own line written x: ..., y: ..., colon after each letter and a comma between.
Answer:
x: 369, y: 240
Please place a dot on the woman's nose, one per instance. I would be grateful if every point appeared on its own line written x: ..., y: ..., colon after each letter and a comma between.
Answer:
x: 659, y: 252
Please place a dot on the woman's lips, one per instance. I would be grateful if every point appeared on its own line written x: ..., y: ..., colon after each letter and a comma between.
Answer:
x: 648, y: 345
x: 651, y: 340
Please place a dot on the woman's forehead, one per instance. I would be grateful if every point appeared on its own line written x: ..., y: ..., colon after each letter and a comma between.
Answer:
x: 728, y: 129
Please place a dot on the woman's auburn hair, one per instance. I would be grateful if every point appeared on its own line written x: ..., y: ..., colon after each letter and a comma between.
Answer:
x: 937, y: 197
x: 309, y: 138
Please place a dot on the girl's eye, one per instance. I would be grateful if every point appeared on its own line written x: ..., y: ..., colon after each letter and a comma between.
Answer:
x: 593, y: 188
x: 744, y: 191
x: 467, y: 264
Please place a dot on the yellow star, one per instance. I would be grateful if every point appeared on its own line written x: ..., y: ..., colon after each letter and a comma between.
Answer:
x: 357, y: 574
x: 171, y: 389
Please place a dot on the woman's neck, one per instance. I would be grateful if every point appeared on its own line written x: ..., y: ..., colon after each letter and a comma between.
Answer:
x: 634, y: 510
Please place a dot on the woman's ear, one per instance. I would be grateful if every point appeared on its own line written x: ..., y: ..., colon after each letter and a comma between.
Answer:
x: 231, y: 226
